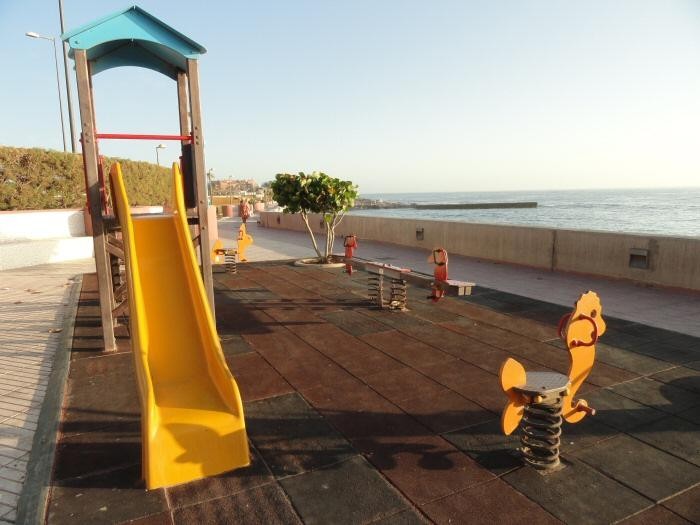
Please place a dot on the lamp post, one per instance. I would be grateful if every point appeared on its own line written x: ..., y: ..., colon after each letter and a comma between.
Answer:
x: 159, y: 147
x: 32, y: 34
x: 65, y: 70
x: 210, y: 179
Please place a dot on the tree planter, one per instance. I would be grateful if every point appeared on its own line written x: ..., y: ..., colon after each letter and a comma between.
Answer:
x: 338, y: 262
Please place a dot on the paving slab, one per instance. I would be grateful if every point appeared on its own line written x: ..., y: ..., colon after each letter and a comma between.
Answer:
x: 292, y: 437
x: 243, y: 508
x: 620, y: 412
x: 686, y: 504
x: 674, y: 435
x: 655, y: 516
x: 492, y: 502
x: 648, y: 470
x: 680, y: 377
x: 578, y: 494
x: 348, y: 492
x: 661, y: 396
x: 486, y: 443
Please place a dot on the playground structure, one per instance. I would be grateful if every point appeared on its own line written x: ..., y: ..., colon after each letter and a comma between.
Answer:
x: 537, y: 401
x: 192, y: 423
x: 133, y: 37
x: 192, y: 416
x: 397, y: 297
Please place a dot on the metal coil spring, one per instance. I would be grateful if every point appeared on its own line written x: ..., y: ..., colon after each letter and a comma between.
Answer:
x: 230, y: 262
x: 541, y: 429
x: 398, y: 294
x: 376, y: 289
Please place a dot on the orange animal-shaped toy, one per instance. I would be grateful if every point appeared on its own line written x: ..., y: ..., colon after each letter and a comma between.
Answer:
x: 439, y: 258
x: 350, y: 244
x: 580, y: 330
x: 244, y: 240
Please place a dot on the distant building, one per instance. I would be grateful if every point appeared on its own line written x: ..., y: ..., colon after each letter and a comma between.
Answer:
x: 231, y: 186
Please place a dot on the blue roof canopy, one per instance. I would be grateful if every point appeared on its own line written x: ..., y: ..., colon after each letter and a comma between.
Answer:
x: 133, y: 37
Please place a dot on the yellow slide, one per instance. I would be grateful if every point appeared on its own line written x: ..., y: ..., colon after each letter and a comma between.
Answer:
x: 192, y: 422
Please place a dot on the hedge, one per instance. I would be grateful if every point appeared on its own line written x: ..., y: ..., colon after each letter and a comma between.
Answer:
x: 40, y: 179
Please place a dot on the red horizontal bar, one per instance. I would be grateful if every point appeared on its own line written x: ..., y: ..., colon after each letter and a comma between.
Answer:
x: 136, y: 136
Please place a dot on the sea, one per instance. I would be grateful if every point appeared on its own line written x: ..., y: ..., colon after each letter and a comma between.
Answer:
x: 674, y: 212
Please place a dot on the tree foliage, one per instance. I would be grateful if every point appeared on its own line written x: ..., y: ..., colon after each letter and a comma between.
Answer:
x: 315, y: 193
x: 39, y: 179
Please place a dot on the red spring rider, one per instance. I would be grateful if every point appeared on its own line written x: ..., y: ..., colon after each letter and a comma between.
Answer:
x: 350, y: 244
x: 439, y: 259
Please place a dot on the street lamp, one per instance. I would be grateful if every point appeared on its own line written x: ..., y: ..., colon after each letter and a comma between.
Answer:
x: 159, y: 147
x: 210, y: 179
x: 32, y: 34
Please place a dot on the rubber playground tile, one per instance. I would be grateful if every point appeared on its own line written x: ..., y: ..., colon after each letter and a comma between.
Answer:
x: 113, y: 496
x: 294, y: 314
x: 607, y: 375
x: 586, y: 433
x: 242, y: 508
x: 680, y: 377
x: 655, y: 516
x: 360, y: 412
x: 578, y: 494
x: 673, y: 435
x: 457, y: 345
x: 659, y: 395
x: 406, y: 517
x: 393, y: 318
x: 471, y: 311
x: 444, y: 411
x: 624, y: 340
x: 89, y: 452
x: 692, y: 414
x: 164, y: 518
x: 344, y: 493
x: 628, y: 360
x: 470, y: 381
x: 421, y: 307
x: 544, y: 355
x: 621, y: 412
x: 486, y: 444
x: 292, y: 437
x: 403, y: 383
x: 256, y: 378
x: 486, y: 333
x: 648, y: 470
x: 222, y: 485
x: 356, y: 356
x: 406, y: 349
x: 354, y: 323
x: 424, y: 468
x: 299, y: 363
x: 666, y: 351
x: 488, y: 503
x: 234, y: 345
x: 686, y: 504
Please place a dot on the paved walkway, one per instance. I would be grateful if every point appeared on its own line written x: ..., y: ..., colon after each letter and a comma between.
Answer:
x: 32, y: 309
x: 673, y: 310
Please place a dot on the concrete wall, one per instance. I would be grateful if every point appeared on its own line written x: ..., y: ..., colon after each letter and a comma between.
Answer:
x: 44, y: 224
x: 672, y: 261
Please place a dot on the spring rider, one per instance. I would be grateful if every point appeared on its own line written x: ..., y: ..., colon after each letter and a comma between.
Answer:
x: 537, y: 401
x: 350, y: 244
x: 439, y: 258
x: 244, y: 240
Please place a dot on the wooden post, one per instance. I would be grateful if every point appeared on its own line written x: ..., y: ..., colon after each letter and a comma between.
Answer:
x: 200, y: 177
x: 99, y: 237
x: 183, y: 103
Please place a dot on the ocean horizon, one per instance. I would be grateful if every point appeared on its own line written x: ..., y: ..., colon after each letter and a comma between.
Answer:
x: 660, y: 211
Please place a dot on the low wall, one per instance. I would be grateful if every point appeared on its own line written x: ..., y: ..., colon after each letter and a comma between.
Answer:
x: 650, y: 259
x: 33, y: 225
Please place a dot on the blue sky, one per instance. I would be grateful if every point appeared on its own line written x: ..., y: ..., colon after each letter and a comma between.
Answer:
x: 399, y: 95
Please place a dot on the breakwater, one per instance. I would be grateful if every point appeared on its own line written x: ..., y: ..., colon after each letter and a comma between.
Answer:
x: 378, y: 204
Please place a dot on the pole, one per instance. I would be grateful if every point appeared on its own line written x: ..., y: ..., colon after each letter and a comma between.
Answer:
x: 69, y: 98
x: 157, y: 156
x: 58, y: 88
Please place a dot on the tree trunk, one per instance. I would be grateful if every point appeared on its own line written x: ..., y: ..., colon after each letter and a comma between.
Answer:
x: 313, y: 237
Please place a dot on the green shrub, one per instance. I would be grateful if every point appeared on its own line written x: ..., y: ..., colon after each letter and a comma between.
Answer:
x: 40, y: 179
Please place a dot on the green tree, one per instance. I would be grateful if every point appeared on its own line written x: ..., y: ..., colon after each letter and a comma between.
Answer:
x: 315, y: 193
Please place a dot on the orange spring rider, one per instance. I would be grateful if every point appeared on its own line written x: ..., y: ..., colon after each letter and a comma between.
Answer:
x: 350, y: 244
x: 439, y: 258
